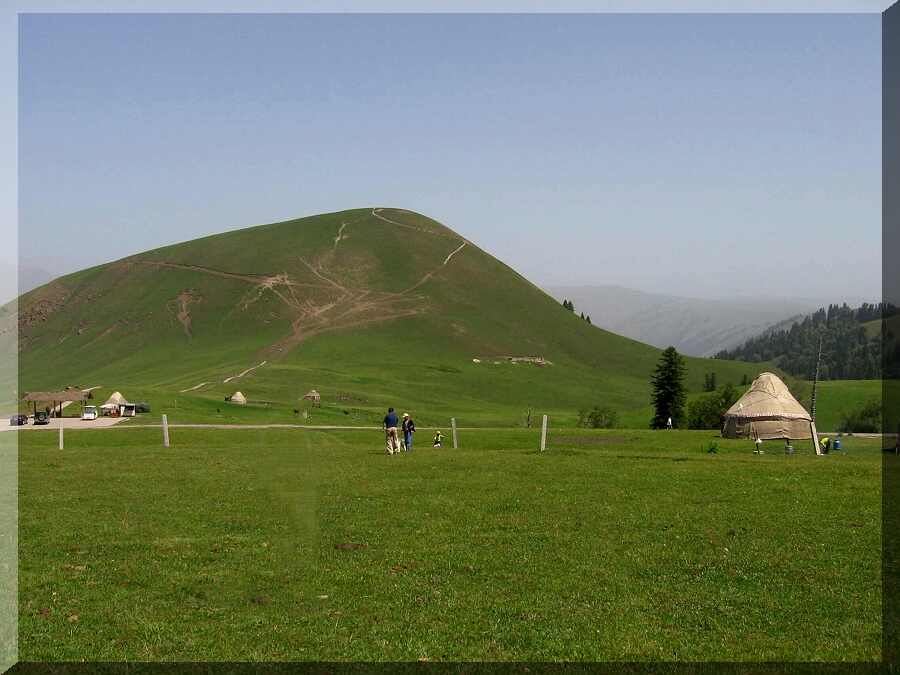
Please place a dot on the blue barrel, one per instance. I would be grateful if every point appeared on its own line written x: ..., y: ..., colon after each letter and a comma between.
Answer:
x: 837, y: 443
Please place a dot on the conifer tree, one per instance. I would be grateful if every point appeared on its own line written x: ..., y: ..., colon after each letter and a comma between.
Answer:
x: 669, y: 394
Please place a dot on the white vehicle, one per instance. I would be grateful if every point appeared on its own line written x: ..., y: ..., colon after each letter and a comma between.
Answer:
x: 89, y: 412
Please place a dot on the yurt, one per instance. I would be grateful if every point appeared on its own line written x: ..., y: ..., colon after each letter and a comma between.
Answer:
x: 238, y: 397
x: 113, y: 404
x: 769, y: 411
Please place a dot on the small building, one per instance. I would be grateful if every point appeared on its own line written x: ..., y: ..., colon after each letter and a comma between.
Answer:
x: 314, y: 396
x: 57, y: 399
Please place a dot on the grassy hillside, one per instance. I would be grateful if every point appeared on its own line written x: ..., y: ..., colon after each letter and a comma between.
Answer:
x: 837, y: 398
x: 372, y: 307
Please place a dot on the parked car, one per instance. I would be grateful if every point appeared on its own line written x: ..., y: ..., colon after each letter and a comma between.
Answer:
x: 142, y: 407
x: 41, y: 417
x: 18, y: 420
x: 89, y: 412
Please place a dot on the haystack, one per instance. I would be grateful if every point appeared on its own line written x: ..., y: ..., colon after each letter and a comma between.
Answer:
x: 768, y: 410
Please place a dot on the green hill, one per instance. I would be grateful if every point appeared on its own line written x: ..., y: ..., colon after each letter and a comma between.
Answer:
x: 371, y: 307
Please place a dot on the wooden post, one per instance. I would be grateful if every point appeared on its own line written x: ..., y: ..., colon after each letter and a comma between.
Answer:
x: 453, y: 427
x: 165, y: 425
x: 544, y: 434
x: 815, y: 437
x: 61, y: 445
x: 812, y: 406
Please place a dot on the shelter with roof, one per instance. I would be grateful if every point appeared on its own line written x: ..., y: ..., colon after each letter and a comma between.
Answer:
x: 314, y: 396
x: 57, y: 399
x: 237, y: 397
x: 768, y: 411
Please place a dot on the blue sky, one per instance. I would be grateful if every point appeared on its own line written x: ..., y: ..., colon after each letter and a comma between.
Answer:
x: 704, y: 155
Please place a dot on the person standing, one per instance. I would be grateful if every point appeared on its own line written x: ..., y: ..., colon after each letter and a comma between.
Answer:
x: 669, y: 423
x: 409, y: 428
x: 390, y: 432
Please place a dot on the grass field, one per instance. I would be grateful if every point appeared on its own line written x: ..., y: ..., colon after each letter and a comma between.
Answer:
x: 632, y: 545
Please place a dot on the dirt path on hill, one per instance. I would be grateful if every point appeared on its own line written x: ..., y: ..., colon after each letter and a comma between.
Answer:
x: 435, y: 271
x: 194, y: 388
x: 242, y: 373
x: 341, y: 307
x: 340, y: 235
x: 184, y: 300
x: 377, y: 214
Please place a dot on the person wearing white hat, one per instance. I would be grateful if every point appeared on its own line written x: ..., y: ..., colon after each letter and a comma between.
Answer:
x: 409, y: 428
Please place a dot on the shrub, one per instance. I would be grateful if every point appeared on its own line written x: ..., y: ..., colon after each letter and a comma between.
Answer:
x: 865, y: 419
x: 705, y: 411
x: 598, y: 418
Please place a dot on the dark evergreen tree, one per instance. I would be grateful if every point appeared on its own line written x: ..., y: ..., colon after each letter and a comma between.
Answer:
x: 669, y: 394
x: 588, y: 318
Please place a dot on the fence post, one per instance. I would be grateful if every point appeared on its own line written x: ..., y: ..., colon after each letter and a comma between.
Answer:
x: 453, y: 427
x: 61, y: 445
x: 544, y: 434
x: 165, y: 425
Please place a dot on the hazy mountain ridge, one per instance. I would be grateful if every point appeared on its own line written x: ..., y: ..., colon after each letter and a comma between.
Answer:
x: 695, y: 326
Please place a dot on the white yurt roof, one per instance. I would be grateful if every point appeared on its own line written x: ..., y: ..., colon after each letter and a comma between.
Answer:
x: 115, y: 400
x: 768, y: 396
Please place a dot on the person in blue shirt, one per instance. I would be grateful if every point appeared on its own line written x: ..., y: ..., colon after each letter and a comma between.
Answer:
x: 409, y: 428
x: 390, y: 432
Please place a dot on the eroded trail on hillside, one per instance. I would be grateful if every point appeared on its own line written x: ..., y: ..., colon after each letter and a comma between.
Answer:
x: 335, y: 305
x: 243, y: 372
x: 377, y: 213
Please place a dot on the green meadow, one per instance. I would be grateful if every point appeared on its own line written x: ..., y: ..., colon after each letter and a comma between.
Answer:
x: 316, y: 545
x: 435, y: 393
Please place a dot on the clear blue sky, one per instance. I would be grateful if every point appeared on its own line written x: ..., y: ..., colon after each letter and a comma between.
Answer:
x: 696, y: 154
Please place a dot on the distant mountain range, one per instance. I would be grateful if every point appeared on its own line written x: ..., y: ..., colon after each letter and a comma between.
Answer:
x: 697, y: 327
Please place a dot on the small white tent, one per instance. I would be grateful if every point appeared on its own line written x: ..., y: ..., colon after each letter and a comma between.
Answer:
x: 238, y: 397
x: 114, y: 401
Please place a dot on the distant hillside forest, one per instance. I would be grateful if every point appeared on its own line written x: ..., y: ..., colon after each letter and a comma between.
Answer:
x: 851, y: 343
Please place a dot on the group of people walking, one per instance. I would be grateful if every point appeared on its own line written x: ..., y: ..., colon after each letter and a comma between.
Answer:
x: 407, y: 428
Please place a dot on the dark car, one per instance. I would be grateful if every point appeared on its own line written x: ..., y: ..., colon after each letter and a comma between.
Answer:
x: 142, y: 407
x: 18, y: 420
x: 41, y: 417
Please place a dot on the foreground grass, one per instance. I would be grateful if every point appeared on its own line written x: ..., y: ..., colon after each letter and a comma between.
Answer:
x: 612, y: 545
